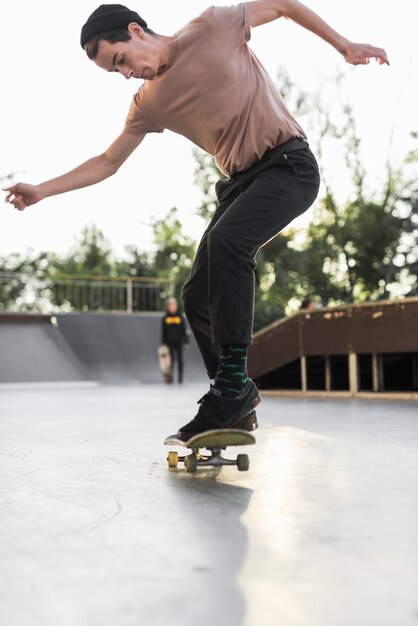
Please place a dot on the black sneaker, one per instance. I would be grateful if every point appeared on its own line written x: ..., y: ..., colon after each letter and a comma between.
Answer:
x: 218, y: 411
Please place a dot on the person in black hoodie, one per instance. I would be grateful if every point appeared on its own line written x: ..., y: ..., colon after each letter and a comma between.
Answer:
x: 175, y: 335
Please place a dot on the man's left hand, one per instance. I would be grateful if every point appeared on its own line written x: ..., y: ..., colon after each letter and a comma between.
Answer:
x: 361, y: 53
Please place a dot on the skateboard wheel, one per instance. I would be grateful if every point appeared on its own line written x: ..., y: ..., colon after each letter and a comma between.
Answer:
x: 190, y: 463
x: 173, y: 459
x: 243, y: 462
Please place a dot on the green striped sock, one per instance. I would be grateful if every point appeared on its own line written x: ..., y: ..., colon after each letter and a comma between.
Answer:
x: 232, y: 376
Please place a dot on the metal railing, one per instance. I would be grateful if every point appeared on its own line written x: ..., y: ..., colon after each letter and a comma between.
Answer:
x: 46, y: 293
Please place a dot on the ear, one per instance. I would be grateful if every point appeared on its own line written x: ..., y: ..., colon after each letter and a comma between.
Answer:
x: 135, y: 30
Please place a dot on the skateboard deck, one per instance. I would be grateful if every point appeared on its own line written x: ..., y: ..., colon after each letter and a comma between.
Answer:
x: 164, y: 359
x: 214, y: 441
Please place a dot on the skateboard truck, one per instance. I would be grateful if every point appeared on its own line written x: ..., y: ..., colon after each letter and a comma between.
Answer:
x: 215, y: 442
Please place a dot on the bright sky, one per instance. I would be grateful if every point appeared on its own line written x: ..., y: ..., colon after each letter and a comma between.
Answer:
x: 58, y: 109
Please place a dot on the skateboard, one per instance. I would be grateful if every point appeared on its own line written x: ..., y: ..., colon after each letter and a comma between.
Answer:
x: 214, y: 441
x: 164, y: 359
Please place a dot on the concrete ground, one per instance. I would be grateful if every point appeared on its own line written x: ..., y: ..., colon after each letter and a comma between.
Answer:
x: 95, y: 530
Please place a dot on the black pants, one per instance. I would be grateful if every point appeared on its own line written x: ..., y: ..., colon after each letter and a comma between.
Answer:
x: 176, y: 354
x: 253, y: 207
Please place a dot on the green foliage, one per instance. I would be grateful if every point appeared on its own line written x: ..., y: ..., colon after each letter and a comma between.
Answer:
x: 276, y: 279
x: 174, y: 251
x: 206, y: 176
x: 135, y: 264
x: 91, y: 255
x: 360, y: 248
x: 12, y: 283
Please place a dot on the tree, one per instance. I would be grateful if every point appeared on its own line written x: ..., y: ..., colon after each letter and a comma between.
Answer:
x: 407, y: 211
x: 277, y: 279
x: 91, y: 255
x: 358, y: 249
x: 14, y: 271
x: 137, y: 264
x: 175, y: 251
x: 206, y: 176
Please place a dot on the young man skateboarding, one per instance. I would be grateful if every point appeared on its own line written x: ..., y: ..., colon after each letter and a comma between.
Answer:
x: 205, y: 83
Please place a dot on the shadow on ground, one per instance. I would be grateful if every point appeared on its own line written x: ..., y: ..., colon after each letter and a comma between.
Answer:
x: 219, y: 542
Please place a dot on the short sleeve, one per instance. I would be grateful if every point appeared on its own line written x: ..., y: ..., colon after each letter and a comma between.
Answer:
x: 137, y: 122
x: 235, y: 21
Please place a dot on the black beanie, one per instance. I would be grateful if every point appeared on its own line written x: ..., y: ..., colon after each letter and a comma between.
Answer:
x: 108, y: 17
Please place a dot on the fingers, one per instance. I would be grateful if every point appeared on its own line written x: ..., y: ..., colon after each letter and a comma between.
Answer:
x: 10, y: 197
x: 365, y: 60
x: 384, y: 59
x: 379, y: 54
x: 360, y: 54
x: 19, y: 203
x: 10, y: 194
x: 16, y: 199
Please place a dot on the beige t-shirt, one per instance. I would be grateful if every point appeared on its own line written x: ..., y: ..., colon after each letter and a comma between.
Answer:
x: 216, y: 93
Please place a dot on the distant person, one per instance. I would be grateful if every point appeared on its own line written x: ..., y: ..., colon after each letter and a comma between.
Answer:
x: 308, y: 305
x: 174, y: 334
x: 204, y: 82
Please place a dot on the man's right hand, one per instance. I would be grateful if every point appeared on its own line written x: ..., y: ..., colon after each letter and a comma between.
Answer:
x: 96, y: 169
x: 22, y: 195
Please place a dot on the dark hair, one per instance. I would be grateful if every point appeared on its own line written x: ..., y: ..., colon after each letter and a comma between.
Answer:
x: 111, y: 36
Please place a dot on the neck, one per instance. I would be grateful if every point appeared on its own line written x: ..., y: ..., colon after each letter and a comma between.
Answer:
x: 168, y: 52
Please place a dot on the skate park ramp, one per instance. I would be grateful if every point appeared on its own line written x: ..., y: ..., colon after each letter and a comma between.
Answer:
x: 31, y: 350
x: 122, y: 347
x: 107, y: 348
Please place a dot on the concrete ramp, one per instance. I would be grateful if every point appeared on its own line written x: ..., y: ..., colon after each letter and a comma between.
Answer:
x: 32, y: 350
x: 122, y: 348
x: 102, y: 347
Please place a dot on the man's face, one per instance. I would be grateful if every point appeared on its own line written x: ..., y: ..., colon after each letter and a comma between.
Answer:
x: 136, y: 58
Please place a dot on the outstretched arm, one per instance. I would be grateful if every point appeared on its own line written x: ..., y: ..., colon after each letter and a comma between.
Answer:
x: 263, y: 11
x: 22, y: 195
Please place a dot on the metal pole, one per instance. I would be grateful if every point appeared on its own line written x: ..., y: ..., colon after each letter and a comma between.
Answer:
x: 327, y: 373
x: 353, y: 373
x: 129, y: 296
x: 377, y: 371
x: 303, y: 373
